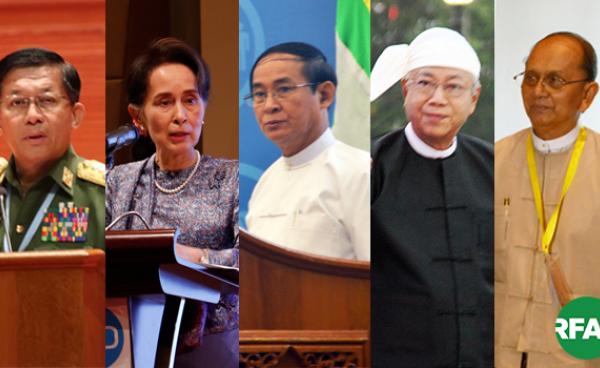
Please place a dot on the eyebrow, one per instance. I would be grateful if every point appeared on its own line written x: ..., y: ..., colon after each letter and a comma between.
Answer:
x: 430, y: 75
x: 18, y: 91
x: 167, y: 94
x: 556, y: 72
x: 279, y: 81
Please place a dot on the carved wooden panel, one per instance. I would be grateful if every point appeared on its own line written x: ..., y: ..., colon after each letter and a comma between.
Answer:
x: 331, y: 359
x: 304, y: 348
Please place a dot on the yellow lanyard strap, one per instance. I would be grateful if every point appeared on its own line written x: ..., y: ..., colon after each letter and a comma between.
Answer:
x: 537, y: 194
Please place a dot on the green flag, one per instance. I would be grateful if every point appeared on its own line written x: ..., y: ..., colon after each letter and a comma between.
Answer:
x: 353, y: 63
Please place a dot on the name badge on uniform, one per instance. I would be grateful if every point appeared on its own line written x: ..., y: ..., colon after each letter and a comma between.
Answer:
x: 65, y: 224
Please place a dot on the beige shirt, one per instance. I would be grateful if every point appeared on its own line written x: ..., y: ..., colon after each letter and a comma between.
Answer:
x: 525, y: 307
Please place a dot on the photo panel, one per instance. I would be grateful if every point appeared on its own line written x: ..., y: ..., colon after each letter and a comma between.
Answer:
x: 432, y: 186
x: 546, y: 203
x: 172, y: 266
x: 52, y: 182
x: 304, y: 167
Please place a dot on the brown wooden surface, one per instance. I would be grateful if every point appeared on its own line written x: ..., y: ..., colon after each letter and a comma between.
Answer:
x: 134, y: 257
x: 75, y: 29
x: 219, y: 41
x: 131, y: 270
x: 298, y: 308
x: 52, y: 309
x: 284, y: 290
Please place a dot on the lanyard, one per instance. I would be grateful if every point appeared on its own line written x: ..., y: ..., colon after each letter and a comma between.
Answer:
x: 37, y: 220
x: 550, y: 229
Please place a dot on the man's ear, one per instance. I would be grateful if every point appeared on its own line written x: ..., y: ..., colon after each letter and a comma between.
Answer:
x: 474, y: 98
x: 403, y: 82
x: 590, y: 92
x: 326, y: 91
x: 78, y: 114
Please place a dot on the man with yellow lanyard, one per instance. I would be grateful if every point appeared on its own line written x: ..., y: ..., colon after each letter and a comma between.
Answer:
x: 547, y: 206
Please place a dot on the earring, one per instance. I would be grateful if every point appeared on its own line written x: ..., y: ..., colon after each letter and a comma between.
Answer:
x: 142, y: 130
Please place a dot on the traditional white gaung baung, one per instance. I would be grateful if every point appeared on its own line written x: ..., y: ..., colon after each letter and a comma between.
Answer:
x: 316, y: 201
x: 437, y: 46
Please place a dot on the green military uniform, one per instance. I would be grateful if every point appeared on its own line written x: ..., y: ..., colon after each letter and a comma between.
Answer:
x: 74, y: 217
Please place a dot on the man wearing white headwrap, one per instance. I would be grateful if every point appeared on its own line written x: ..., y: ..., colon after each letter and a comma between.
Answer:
x: 431, y: 213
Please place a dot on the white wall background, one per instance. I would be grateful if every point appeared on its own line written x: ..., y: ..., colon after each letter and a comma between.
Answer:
x: 519, y: 24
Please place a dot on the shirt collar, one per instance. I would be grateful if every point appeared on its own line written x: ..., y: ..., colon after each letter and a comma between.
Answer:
x: 555, y: 145
x: 312, y: 150
x: 425, y: 150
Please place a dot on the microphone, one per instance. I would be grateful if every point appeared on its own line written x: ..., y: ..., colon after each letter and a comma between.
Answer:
x: 4, y: 222
x: 122, y: 136
x: 127, y: 214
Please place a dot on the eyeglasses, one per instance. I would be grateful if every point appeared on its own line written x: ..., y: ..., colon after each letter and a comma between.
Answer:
x: 552, y: 80
x: 427, y: 87
x: 280, y: 93
x: 18, y: 105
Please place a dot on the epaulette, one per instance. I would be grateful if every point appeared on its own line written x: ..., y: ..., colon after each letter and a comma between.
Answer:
x: 3, y: 167
x: 92, y: 171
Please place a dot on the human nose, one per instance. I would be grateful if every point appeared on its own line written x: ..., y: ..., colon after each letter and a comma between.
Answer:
x: 181, y: 113
x: 540, y: 88
x: 33, y: 113
x: 271, y: 103
x: 438, y: 95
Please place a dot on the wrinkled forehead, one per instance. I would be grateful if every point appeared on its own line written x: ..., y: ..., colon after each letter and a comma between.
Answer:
x: 279, y: 57
x: 442, y: 74
x: 278, y: 66
x: 557, y: 54
x: 33, y: 80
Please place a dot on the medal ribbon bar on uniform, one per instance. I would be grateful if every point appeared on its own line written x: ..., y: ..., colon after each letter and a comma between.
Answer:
x: 69, y: 224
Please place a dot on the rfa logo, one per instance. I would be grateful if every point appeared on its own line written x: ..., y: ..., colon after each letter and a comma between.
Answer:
x: 578, y: 329
x: 574, y: 326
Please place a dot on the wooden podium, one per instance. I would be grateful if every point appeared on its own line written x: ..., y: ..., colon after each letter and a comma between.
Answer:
x: 302, y: 310
x: 52, y: 309
x: 136, y: 261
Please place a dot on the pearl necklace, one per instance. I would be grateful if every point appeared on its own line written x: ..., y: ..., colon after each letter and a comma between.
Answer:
x: 185, y: 182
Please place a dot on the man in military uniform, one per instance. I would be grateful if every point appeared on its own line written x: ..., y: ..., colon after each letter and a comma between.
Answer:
x: 54, y: 198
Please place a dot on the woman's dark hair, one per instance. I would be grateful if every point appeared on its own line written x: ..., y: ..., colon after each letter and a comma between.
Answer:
x: 165, y: 51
